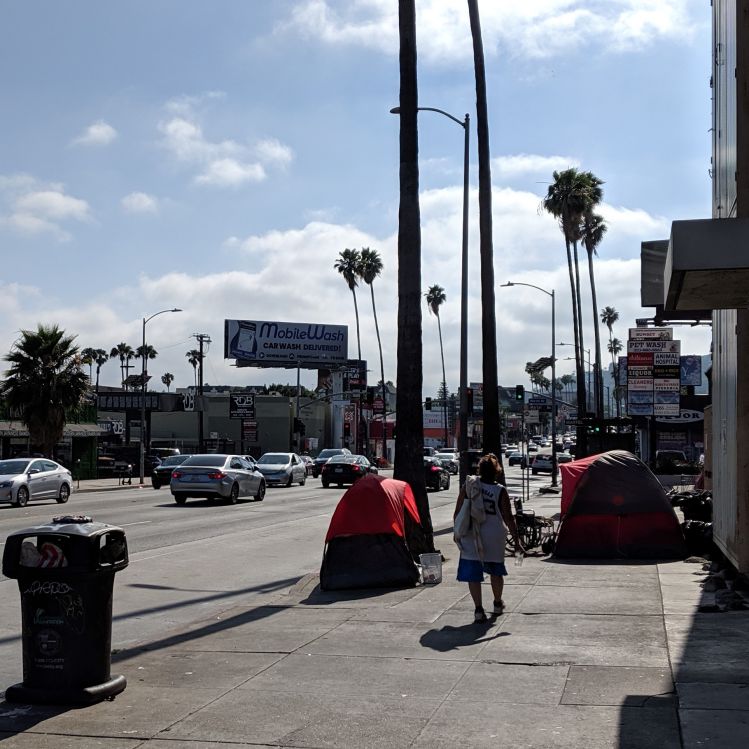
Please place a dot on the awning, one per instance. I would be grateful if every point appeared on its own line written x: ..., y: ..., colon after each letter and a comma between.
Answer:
x: 707, y: 265
x: 18, y: 429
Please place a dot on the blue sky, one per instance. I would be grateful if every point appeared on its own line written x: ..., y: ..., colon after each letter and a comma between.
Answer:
x: 218, y: 156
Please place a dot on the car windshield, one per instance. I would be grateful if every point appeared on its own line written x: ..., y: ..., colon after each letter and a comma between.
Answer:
x: 328, y: 453
x: 210, y: 461
x: 8, y: 467
x: 274, y: 459
x: 174, y: 460
x: 343, y: 459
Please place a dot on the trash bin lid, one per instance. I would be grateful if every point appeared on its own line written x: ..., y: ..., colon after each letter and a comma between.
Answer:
x: 70, y: 525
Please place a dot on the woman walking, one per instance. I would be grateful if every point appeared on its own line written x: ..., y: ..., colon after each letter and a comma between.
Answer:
x: 483, y: 548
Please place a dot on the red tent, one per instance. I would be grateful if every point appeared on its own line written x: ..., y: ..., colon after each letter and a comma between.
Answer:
x: 366, y: 541
x: 614, y: 507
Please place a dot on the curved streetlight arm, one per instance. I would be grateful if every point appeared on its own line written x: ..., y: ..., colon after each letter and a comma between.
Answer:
x: 462, y: 123
x: 156, y: 314
x: 530, y: 285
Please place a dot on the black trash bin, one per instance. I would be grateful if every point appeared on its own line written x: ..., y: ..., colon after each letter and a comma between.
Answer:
x: 65, y: 572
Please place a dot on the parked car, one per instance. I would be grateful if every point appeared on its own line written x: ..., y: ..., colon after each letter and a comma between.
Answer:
x: 161, y: 475
x: 436, y: 475
x: 345, y: 469
x: 322, y: 458
x: 282, y: 469
x: 541, y: 463
x: 216, y: 476
x: 429, y: 451
x: 22, y: 479
x: 309, y: 464
x: 516, y: 458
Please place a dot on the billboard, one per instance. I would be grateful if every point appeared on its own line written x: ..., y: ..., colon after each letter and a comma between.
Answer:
x: 241, y: 406
x: 264, y: 343
x: 691, y: 370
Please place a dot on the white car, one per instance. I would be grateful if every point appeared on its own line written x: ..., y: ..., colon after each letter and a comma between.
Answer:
x: 22, y: 479
x: 215, y: 476
x: 282, y: 469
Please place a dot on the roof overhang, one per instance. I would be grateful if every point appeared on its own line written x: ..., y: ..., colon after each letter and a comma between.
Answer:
x: 707, y: 265
x: 653, y: 255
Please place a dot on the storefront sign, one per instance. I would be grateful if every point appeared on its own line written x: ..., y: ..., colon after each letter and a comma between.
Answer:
x: 241, y: 406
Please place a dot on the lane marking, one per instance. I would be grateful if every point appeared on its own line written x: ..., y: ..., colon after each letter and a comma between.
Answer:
x: 140, y: 522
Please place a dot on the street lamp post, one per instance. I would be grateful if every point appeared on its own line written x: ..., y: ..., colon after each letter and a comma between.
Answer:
x: 143, y: 393
x: 553, y: 376
x: 463, y: 387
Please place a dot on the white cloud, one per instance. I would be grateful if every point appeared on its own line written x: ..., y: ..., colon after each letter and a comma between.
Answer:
x: 230, y: 173
x: 98, y: 134
x: 538, y: 29
x: 224, y: 163
x: 508, y: 167
x: 289, y: 275
x: 139, y: 202
x: 272, y: 151
x: 36, y: 209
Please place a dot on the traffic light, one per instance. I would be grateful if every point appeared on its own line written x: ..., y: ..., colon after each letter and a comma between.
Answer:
x: 428, y: 404
x: 346, y: 429
x: 519, y: 393
x: 299, y: 427
x: 469, y: 401
x: 370, y: 396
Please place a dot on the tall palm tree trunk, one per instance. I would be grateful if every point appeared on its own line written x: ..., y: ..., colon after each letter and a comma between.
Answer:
x: 358, y: 336
x: 597, y: 337
x: 488, y: 321
x: 615, y: 370
x: 444, y: 380
x: 409, y: 447
x: 579, y: 377
x: 382, y: 370
x: 578, y: 304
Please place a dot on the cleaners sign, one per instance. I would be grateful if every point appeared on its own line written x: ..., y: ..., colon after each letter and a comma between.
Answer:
x: 263, y: 343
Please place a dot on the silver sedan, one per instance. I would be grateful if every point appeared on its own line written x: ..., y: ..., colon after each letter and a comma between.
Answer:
x: 212, y: 476
x: 282, y: 469
x: 22, y: 479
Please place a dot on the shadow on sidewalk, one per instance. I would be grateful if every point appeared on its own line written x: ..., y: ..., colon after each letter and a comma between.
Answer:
x: 449, y: 638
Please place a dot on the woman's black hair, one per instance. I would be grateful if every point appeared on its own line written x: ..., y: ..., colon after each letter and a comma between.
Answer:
x: 489, y: 468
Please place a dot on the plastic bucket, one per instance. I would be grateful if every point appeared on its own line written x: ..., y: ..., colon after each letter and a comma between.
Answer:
x: 431, y: 568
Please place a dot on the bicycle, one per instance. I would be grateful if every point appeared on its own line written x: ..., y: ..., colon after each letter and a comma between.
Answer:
x: 533, y: 530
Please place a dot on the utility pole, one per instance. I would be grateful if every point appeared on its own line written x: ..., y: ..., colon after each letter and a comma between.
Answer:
x: 202, y: 338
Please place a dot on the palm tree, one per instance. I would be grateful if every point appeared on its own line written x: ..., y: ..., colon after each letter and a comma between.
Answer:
x: 594, y: 227
x: 567, y: 199
x: 348, y: 266
x: 44, y: 380
x: 370, y: 267
x: 101, y: 357
x: 88, y: 356
x: 124, y: 352
x: 409, y: 446
x: 151, y: 353
x: 566, y: 380
x: 615, y: 347
x: 488, y: 320
x: 167, y: 378
x: 609, y: 316
x: 193, y: 357
x: 436, y: 297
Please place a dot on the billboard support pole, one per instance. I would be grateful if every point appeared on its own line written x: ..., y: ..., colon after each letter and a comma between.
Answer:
x: 297, y: 435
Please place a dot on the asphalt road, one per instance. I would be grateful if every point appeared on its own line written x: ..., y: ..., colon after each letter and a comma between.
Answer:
x: 189, y: 563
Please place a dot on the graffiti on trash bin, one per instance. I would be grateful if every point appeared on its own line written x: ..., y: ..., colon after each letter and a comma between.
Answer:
x: 48, y: 587
x: 72, y: 608
x: 69, y: 602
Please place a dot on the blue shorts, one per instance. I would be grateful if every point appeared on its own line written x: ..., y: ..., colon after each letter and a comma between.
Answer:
x: 472, y: 570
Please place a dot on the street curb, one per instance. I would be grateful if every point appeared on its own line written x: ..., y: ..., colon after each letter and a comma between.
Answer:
x: 90, y: 490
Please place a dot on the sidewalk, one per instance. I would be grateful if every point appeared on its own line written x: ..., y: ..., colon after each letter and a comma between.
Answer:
x: 587, y: 655
x: 108, y: 484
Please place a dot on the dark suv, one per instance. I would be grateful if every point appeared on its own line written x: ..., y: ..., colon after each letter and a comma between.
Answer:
x: 322, y: 458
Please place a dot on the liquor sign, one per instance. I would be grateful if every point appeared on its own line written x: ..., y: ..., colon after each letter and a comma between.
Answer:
x: 263, y: 343
x: 241, y: 406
